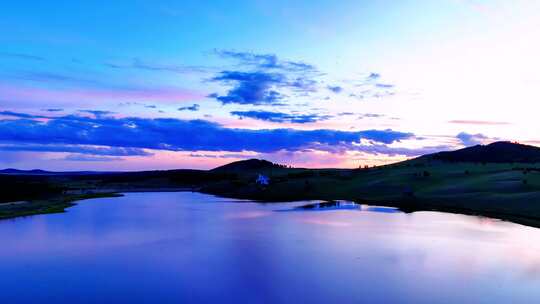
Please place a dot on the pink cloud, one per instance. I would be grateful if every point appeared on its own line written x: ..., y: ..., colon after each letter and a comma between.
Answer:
x: 28, y: 95
x: 479, y: 122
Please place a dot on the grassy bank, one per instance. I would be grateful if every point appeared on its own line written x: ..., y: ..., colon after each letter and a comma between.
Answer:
x: 43, y: 206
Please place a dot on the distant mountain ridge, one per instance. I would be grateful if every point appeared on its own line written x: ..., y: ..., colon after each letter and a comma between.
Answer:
x: 237, y: 166
x: 11, y: 171
x: 17, y: 171
x: 497, y: 152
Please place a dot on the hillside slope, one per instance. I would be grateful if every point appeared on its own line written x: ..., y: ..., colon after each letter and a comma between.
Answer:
x: 248, y: 165
x: 497, y: 152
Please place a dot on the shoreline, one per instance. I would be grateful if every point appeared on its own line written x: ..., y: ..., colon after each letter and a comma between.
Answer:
x: 52, y: 205
x: 60, y: 204
x: 529, y: 221
x: 413, y: 205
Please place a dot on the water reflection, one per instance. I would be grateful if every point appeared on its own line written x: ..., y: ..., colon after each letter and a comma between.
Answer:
x: 342, y: 205
x: 193, y: 248
x: 331, y: 205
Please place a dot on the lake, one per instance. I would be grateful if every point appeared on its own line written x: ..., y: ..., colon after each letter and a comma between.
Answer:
x: 193, y: 248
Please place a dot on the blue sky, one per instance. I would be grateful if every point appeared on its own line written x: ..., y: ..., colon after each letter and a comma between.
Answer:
x: 386, y: 80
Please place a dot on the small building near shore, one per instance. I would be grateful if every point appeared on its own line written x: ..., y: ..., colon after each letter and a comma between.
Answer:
x: 262, y: 180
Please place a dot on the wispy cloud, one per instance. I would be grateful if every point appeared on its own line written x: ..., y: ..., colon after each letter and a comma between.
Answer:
x: 373, y: 76
x: 91, y: 158
x: 472, y: 139
x: 384, y: 149
x: 54, y: 77
x: 21, y: 115
x: 478, y: 122
x: 63, y: 89
x: 266, y: 61
x: 194, y: 107
x: 335, y: 89
x: 35, y: 95
x: 384, y: 85
x: 370, y: 86
x: 281, y: 117
x: 78, y: 149
x: 370, y: 115
x: 159, y: 67
x: 98, y: 113
x: 22, y: 56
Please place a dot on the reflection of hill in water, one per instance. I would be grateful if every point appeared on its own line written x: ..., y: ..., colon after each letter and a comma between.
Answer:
x: 345, y: 205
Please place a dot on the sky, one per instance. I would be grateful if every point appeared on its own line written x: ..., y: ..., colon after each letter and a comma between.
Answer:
x: 138, y: 85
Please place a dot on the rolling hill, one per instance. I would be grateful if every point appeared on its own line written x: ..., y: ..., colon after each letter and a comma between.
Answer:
x: 497, y: 152
x: 248, y: 165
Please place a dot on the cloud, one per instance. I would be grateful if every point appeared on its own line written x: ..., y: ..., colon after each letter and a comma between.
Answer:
x: 266, y: 61
x: 478, y: 122
x: 89, y: 158
x: 168, y: 67
x: 395, y: 151
x: 335, y: 89
x: 331, y: 154
x: 250, y: 87
x: 472, y: 139
x: 54, y: 110
x: 98, y: 113
x: 267, y: 80
x: 63, y: 90
x: 226, y: 155
x: 40, y: 77
x: 372, y: 88
x: 178, y: 135
x: 128, y: 104
x: 384, y: 149
x: 21, y: 115
x: 194, y: 107
x: 247, y: 58
x: 303, y: 85
x: 373, y: 76
x: 370, y: 115
x: 384, y: 86
x: 281, y: 117
x: 79, y: 149
x: 387, y: 136
x: 22, y: 56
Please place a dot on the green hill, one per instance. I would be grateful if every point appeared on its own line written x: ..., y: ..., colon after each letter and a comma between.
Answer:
x: 498, y: 152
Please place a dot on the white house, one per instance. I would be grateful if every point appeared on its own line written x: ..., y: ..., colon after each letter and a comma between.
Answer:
x: 262, y: 180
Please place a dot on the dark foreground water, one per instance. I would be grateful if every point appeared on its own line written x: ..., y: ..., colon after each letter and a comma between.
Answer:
x: 194, y: 248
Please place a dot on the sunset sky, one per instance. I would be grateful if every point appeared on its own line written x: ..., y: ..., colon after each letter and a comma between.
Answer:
x: 132, y: 85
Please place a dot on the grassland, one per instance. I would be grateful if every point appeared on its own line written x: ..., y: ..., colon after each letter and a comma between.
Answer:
x: 44, y: 206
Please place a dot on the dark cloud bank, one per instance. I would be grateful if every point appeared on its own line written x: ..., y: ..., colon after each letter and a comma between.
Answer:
x: 128, y: 136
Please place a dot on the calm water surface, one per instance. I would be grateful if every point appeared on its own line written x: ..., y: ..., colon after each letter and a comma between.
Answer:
x: 194, y: 248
